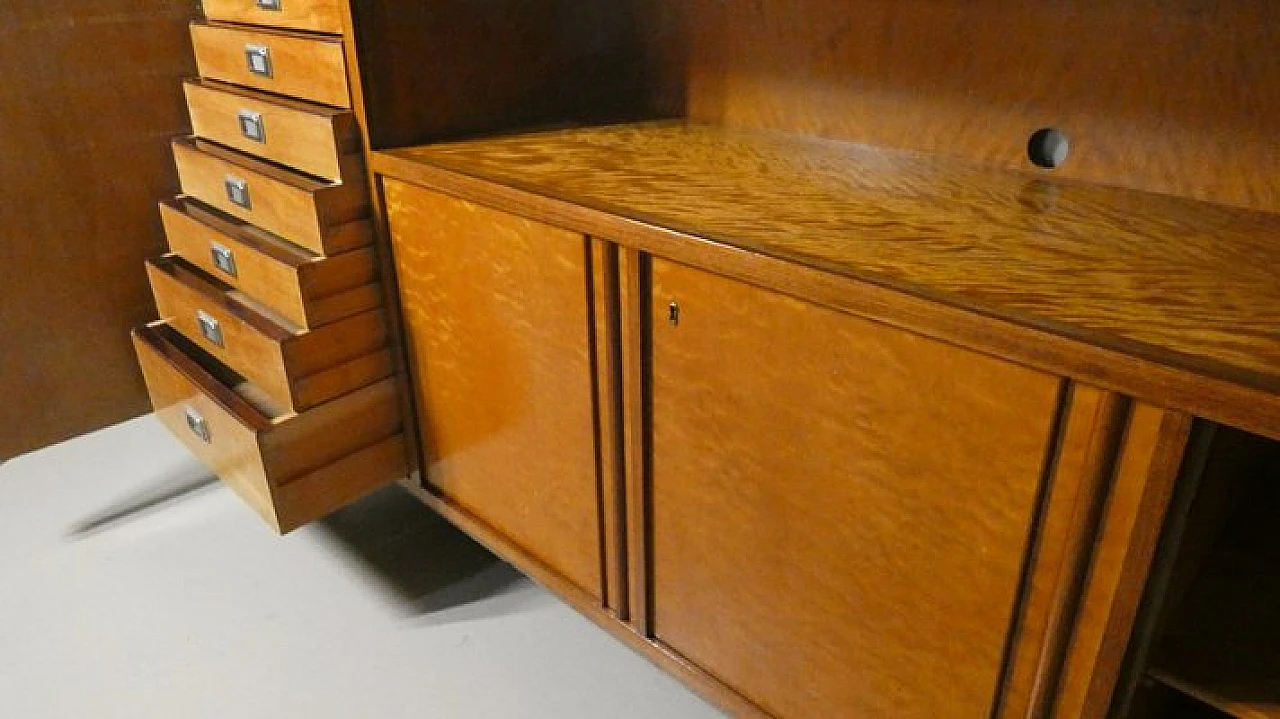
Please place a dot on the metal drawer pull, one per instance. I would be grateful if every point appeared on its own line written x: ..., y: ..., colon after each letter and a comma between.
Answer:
x: 210, y: 327
x: 259, y: 58
x: 223, y: 258
x: 197, y: 425
x: 238, y: 191
x: 268, y: 5
x: 252, y: 126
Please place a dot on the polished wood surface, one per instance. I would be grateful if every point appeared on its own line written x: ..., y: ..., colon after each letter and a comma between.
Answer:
x: 298, y: 369
x: 87, y: 97
x: 318, y: 15
x: 836, y: 523
x: 606, y: 356
x: 306, y: 67
x: 306, y: 289
x: 1146, y: 468
x: 1175, y: 284
x: 1089, y: 429
x: 307, y: 137
x: 633, y: 300
x: 1137, y: 85
x: 323, y: 217
x: 257, y: 453
x: 496, y: 322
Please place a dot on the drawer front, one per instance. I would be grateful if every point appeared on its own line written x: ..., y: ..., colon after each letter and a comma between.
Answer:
x: 309, y: 138
x: 326, y: 219
x: 297, y: 371
x: 206, y: 316
x: 292, y: 469
x: 303, y: 288
x: 226, y: 442
x: 309, y: 68
x: 317, y: 15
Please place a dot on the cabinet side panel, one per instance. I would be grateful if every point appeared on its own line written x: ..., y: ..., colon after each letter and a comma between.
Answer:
x: 841, y: 510
x: 496, y: 315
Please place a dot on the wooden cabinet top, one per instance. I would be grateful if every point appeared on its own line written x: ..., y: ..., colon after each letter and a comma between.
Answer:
x: 1190, y: 287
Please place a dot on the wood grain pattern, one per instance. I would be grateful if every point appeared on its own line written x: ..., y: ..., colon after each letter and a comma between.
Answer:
x: 326, y: 218
x: 1146, y: 469
x: 807, y: 470
x: 1136, y: 84
x: 307, y: 137
x: 318, y: 15
x: 338, y: 484
x: 306, y: 289
x: 496, y: 321
x: 633, y: 300
x: 257, y: 454
x: 1090, y: 428
x: 298, y: 369
x: 1174, y: 283
x: 89, y: 96
x: 306, y: 67
x: 606, y: 341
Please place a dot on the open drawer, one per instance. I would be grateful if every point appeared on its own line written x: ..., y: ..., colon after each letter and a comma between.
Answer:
x: 325, y: 217
x: 291, y: 468
x: 298, y: 369
x: 307, y: 289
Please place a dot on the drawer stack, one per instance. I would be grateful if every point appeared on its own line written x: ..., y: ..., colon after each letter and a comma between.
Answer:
x: 271, y: 359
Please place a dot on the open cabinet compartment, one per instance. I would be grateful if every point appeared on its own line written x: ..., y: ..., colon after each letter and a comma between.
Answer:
x: 1214, y: 606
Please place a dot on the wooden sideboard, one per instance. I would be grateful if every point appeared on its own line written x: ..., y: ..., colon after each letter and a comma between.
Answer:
x: 907, y: 428
x: 835, y: 430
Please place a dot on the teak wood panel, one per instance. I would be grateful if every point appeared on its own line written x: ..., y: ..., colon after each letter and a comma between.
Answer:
x: 306, y: 289
x: 291, y: 469
x: 310, y: 138
x: 840, y: 510
x: 496, y: 322
x: 323, y: 217
x: 1165, y: 299
x: 318, y: 15
x: 297, y: 369
x: 1137, y: 85
x: 306, y: 67
x: 89, y: 93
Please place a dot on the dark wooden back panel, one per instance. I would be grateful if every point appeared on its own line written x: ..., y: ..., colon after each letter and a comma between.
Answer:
x: 458, y: 68
x: 88, y: 94
x: 1173, y: 96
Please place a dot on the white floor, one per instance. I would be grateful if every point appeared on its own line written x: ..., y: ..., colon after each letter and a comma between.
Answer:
x: 133, y: 586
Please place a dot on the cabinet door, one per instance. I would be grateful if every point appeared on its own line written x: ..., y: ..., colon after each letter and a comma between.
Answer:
x: 840, y: 509
x: 496, y: 321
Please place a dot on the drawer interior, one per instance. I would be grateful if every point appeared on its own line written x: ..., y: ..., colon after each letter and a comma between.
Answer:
x: 240, y: 398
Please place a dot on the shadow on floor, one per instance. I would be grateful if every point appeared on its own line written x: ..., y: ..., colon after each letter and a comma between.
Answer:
x: 182, y: 484
x: 427, y: 566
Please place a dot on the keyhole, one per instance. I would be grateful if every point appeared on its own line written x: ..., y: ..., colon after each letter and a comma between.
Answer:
x: 673, y: 314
